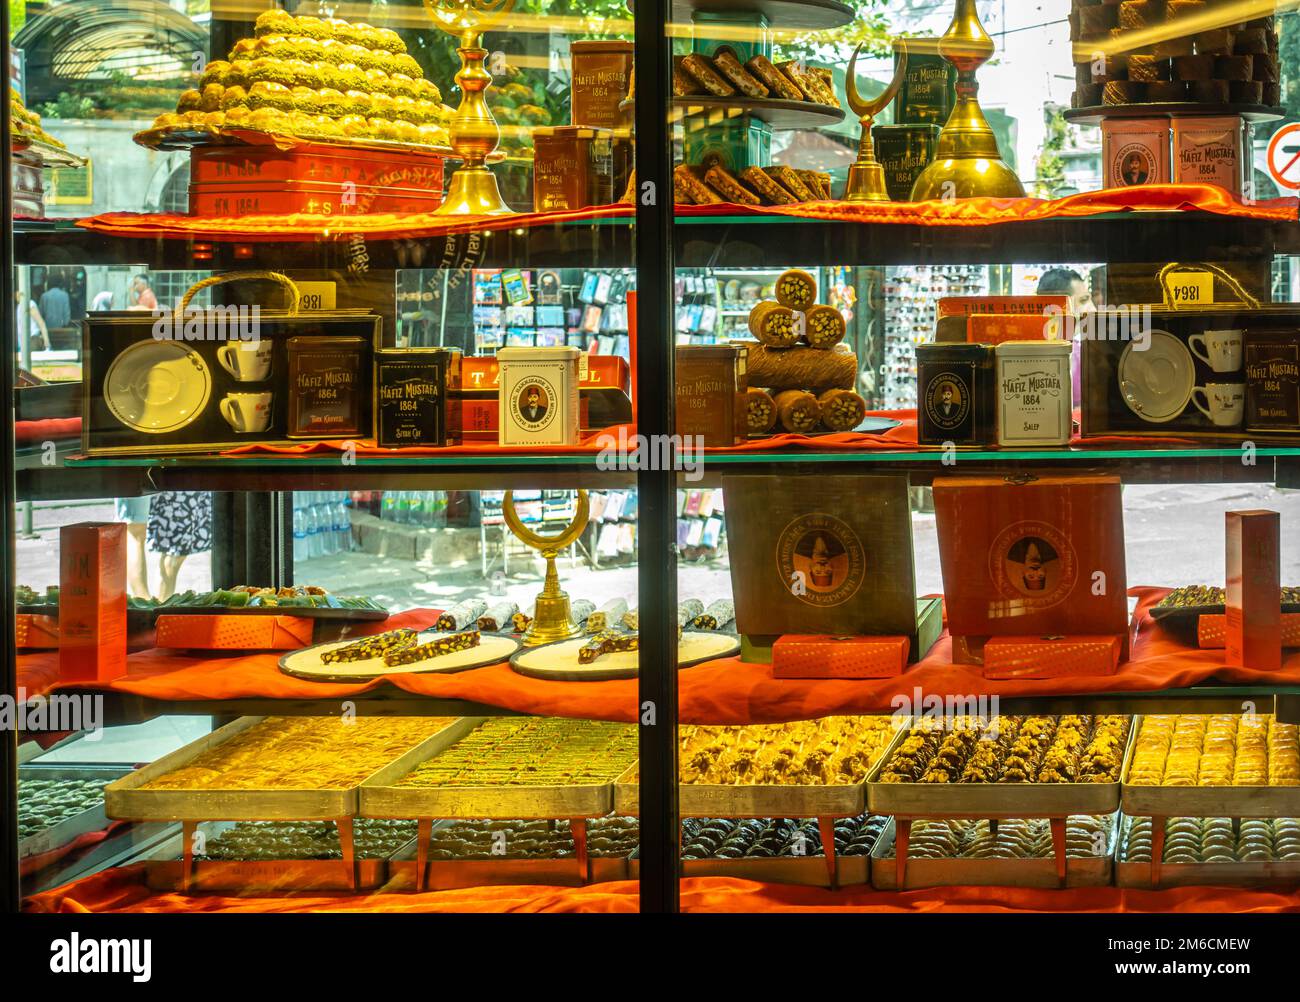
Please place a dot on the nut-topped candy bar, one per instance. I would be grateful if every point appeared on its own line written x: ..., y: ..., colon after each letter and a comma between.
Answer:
x: 449, y: 644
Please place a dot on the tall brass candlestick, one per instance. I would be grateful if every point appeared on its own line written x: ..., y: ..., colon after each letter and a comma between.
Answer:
x: 968, y: 162
x: 474, y: 132
x: 552, y: 619
x: 866, y: 181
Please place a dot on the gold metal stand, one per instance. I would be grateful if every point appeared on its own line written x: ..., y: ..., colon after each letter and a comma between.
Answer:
x: 552, y: 619
x: 474, y: 132
x: 968, y: 163
x: 866, y: 181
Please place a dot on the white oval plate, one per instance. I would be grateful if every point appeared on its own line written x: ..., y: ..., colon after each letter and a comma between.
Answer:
x: 560, y: 661
x: 1157, y: 383
x: 157, y: 386
x: 306, y: 663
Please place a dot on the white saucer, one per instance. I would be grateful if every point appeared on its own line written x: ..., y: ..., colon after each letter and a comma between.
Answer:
x: 157, y: 386
x: 1157, y: 383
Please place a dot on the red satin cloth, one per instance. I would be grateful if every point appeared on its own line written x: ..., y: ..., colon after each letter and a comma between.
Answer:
x: 963, y: 212
x: 47, y: 430
x: 718, y: 692
x: 123, y: 890
x: 902, y: 438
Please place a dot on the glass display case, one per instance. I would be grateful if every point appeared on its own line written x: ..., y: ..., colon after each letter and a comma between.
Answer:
x: 587, y: 454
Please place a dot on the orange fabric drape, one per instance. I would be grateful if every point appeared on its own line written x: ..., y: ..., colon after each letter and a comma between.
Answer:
x: 124, y: 890
x: 964, y: 212
x: 717, y: 692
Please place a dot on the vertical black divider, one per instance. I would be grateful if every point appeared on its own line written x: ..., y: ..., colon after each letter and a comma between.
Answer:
x: 657, y: 556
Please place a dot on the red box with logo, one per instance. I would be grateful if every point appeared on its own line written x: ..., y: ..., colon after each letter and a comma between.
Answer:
x: 1031, y: 556
x: 839, y: 657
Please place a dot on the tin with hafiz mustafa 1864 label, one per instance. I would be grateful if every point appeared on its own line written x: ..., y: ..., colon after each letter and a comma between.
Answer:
x: 1035, y: 403
x: 411, y: 404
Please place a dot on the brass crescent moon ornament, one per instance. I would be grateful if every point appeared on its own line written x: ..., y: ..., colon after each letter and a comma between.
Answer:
x: 866, y: 182
x: 868, y: 110
x: 547, y: 544
x: 552, y: 619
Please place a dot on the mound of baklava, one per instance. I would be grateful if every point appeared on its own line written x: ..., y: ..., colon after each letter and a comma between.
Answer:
x: 26, y: 124
x: 317, y: 78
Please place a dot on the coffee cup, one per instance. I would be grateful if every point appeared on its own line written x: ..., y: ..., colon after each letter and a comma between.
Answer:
x: 247, y: 412
x: 1220, y: 350
x: 247, y: 361
x: 1223, y: 403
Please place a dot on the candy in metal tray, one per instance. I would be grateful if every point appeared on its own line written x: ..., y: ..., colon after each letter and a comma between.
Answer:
x: 372, y: 647
x: 461, y: 615
x: 434, y: 648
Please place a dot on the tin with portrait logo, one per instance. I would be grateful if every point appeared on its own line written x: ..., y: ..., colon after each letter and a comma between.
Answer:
x: 538, y: 396
x: 1135, y: 151
x: 955, y: 392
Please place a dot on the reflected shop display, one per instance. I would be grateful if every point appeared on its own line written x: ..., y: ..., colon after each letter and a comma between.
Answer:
x: 707, y: 455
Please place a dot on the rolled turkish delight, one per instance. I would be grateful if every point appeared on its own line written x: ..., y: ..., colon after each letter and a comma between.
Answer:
x: 773, y: 325
x: 842, y: 410
x: 798, y: 411
x: 688, y: 610
x: 461, y: 615
x: 716, y: 616
x: 498, y: 617
x: 760, y: 411
x: 796, y: 289
x: 824, y: 327
x: 607, y: 615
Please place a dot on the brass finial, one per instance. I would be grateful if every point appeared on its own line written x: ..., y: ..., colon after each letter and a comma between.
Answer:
x: 866, y: 181
x: 968, y: 162
x: 474, y: 132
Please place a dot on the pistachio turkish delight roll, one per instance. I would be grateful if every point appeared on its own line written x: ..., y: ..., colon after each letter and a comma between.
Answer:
x: 371, y: 647
x: 498, y: 617
x: 609, y: 642
x: 580, y: 609
x: 842, y: 410
x: 760, y: 411
x: 824, y: 327
x: 449, y: 644
x: 796, y: 289
x: 521, y: 621
x: 802, y: 368
x: 632, y: 620
x: 773, y: 325
x: 688, y: 610
x: 609, y: 614
x: 798, y: 411
x: 716, y: 616
x: 461, y: 615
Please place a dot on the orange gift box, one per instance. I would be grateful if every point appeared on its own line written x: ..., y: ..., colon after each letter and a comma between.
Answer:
x: 1037, y: 556
x: 1212, y: 631
x: 1253, y: 613
x: 35, y: 633
x: 1051, y: 657
x: 813, y: 656
x: 233, y: 633
x: 988, y: 328
x: 92, y: 601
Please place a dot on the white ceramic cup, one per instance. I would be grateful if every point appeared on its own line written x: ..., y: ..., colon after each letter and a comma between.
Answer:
x: 247, y: 412
x: 1222, y: 403
x: 1220, y: 350
x: 248, y: 361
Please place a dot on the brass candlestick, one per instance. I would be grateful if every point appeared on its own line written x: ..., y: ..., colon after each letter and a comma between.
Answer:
x: 866, y: 181
x: 552, y: 620
x: 968, y: 163
x: 474, y: 132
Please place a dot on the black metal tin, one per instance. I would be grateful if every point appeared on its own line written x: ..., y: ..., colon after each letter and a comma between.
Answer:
x: 955, y: 395
x: 904, y: 151
x: 411, y: 399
